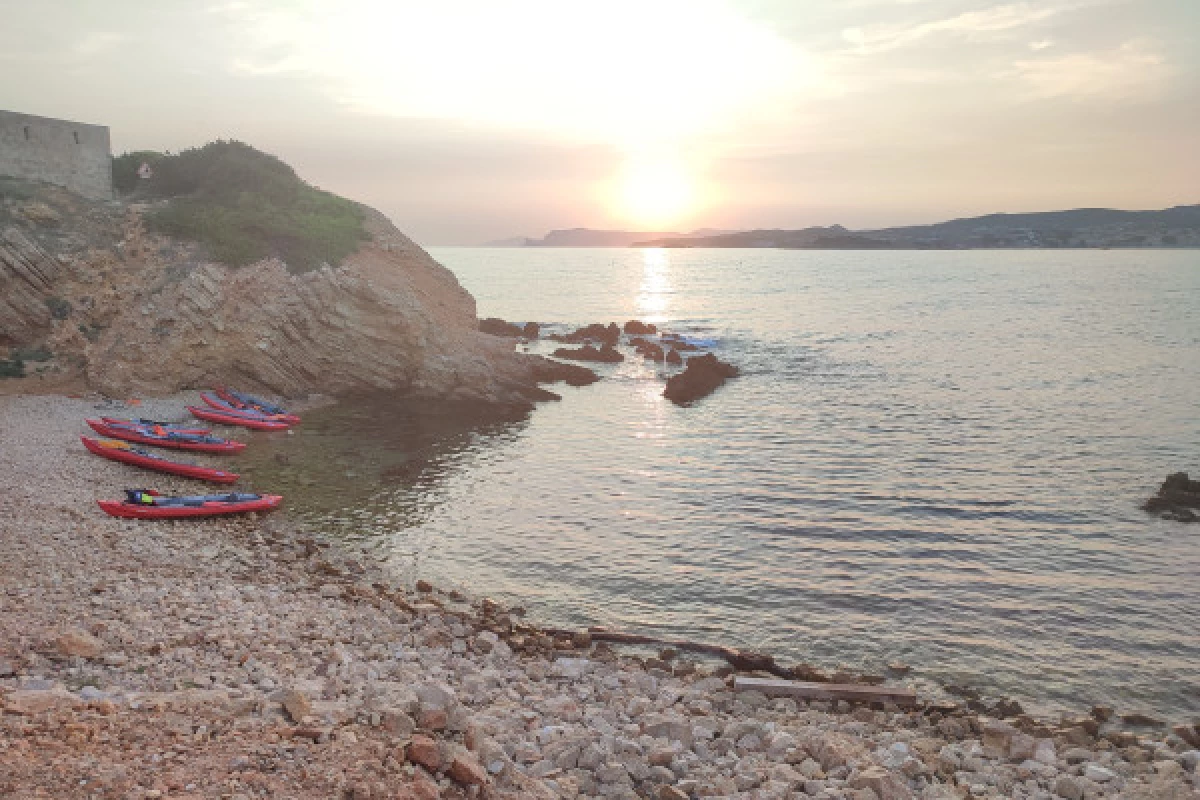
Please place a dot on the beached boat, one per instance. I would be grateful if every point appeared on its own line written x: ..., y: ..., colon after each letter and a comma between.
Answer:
x: 254, y: 421
x: 163, y: 437
x: 126, y: 453
x: 248, y: 401
x: 177, y: 427
x: 149, y: 504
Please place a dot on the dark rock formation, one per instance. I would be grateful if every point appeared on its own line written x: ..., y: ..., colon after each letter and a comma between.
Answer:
x: 531, y: 330
x: 606, y: 354
x: 1175, y: 499
x: 701, y: 377
x: 678, y: 342
x: 608, y: 334
x: 638, y: 328
x: 498, y: 327
x: 673, y: 357
x: 647, y: 349
x: 550, y: 371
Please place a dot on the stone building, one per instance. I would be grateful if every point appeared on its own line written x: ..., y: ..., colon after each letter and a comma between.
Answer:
x: 69, y: 154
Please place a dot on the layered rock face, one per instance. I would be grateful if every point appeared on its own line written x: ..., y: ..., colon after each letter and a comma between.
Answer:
x: 27, y: 275
x: 390, y: 317
x: 137, y: 313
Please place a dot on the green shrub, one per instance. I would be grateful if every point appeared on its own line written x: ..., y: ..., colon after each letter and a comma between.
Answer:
x: 125, y: 168
x: 12, y: 368
x: 39, y: 353
x: 244, y: 205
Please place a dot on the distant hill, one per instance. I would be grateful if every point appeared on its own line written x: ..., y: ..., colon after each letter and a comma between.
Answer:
x: 1081, y: 227
x: 587, y: 237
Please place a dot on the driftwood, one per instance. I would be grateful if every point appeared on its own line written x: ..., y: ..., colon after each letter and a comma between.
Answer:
x: 745, y: 660
x: 827, y: 691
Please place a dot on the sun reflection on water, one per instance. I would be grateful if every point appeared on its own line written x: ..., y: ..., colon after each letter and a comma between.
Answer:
x: 654, y: 295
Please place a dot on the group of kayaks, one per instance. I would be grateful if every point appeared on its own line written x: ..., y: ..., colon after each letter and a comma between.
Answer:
x: 223, y: 406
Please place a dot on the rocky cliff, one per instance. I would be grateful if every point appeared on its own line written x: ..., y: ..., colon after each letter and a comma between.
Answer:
x: 135, y: 312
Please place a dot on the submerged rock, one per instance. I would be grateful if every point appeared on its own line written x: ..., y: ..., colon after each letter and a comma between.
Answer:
x: 703, y: 375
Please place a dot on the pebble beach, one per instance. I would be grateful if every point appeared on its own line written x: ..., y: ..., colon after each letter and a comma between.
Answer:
x: 247, y: 658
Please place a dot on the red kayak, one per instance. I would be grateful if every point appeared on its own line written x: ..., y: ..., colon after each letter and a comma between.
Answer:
x: 258, y: 423
x: 126, y: 453
x: 177, y: 427
x: 146, y: 504
x: 241, y: 400
x: 146, y: 434
x: 245, y: 411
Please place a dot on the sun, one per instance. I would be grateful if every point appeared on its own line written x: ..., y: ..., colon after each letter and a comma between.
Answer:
x: 655, y: 193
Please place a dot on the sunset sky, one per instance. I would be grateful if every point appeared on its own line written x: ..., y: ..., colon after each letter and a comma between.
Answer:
x: 469, y: 120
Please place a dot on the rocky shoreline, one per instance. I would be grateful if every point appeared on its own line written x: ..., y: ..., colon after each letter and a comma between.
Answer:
x: 245, y: 658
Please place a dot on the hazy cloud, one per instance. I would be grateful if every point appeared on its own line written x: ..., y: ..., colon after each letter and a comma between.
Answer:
x: 1136, y: 69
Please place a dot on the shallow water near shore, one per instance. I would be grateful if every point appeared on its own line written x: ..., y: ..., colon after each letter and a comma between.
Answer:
x: 931, y: 457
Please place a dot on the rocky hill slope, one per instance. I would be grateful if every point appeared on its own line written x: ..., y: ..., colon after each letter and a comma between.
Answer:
x: 88, y: 290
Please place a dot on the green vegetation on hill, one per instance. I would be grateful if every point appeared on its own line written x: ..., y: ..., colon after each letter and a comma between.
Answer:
x: 243, y: 205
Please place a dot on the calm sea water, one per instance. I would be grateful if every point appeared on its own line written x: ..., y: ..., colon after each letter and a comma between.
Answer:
x: 931, y: 457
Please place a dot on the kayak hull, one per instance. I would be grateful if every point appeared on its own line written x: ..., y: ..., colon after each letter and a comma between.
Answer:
x: 235, y: 418
x: 230, y: 400
x: 158, y: 464
x: 132, y: 435
x: 174, y: 427
x: 126, y: 510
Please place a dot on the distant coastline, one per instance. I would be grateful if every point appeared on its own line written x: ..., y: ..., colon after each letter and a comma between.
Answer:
x: 1089, y: 228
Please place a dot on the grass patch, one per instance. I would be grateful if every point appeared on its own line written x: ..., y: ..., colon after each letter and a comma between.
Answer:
x: 244, y: 205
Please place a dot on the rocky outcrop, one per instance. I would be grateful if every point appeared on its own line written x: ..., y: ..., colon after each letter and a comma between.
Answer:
x: 142, y: 313
x: 608, y: 334
x: 606, y: 354
x: 703, y: 375
x: 28, y: 275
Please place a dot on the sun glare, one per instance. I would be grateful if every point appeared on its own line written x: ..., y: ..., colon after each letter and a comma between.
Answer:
x: 655, y: 193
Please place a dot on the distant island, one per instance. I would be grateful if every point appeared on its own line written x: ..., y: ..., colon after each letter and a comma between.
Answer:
x: 586, y: 237
x: 1082, y: 227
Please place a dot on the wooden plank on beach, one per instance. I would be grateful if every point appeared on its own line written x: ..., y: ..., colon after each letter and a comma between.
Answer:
x: 827, y: 691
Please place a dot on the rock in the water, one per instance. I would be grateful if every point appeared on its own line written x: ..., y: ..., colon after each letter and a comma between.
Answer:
x: 703, y: 375
x: 648, y: 349
x: 1176, y: 497
x: 607, y: 354
x: 638, y: 328
x: 608, y: 334
x: 549, y: 371
x: 498, y: 327
x: 673, y: 357
x: 531, y: 330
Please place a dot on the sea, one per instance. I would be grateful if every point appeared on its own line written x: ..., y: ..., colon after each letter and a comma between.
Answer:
x: 930, y: 457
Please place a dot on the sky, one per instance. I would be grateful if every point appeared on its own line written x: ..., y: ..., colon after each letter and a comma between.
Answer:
x: 471, y: 120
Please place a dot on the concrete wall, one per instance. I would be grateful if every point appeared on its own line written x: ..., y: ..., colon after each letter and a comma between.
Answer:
x: 58, y: 151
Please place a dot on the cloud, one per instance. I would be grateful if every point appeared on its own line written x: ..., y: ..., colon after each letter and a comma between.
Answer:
x: 1136, y: 68
x: 97, y: 42
x: 970, y: 24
